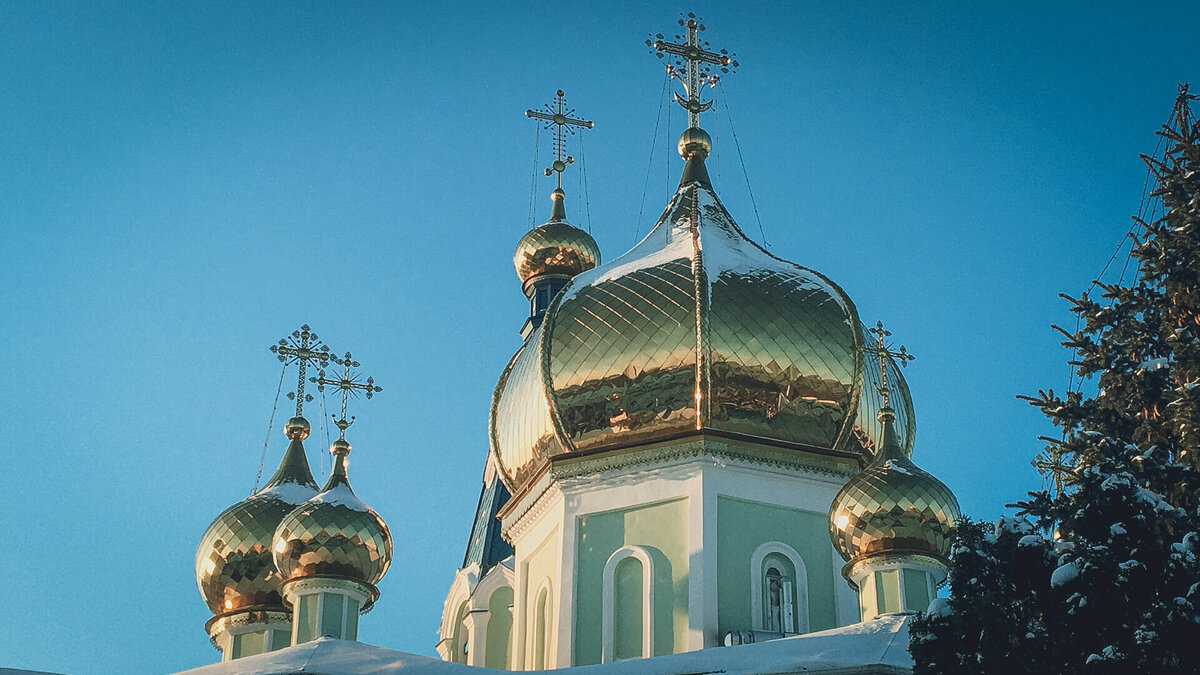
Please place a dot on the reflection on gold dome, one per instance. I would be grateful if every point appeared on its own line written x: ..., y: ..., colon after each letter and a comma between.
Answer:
x: 695, y: 328
x: 234, y: 569
x: 334, y: 534
x: 893, y: 507
x: 555, y: 248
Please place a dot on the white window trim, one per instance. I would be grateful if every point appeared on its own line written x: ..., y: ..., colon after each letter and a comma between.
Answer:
x: 609, y: 601
x: 756, y: 587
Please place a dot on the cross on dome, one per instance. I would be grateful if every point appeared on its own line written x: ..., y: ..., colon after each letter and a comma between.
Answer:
x: 900, y: 355
x: 560, y: 118
x: 349, y: 385
x: 302, y: 347
x: 692, y: 64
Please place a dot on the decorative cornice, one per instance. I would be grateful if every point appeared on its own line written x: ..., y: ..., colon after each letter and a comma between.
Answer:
x: 704, y: 445
x: 860, y: 566
x: 529, y: 509
x: 263, y: 617
x: 367, y: 594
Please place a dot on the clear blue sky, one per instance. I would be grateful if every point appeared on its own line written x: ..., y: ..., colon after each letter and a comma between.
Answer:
x: 181, y: 186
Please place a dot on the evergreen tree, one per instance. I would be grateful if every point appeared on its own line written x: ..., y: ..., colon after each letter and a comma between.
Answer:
x: 1116, y: 589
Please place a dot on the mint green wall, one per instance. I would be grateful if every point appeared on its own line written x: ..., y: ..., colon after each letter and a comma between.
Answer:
x: 662, y: 528
x: 499, y: 629
x: 742, y: 526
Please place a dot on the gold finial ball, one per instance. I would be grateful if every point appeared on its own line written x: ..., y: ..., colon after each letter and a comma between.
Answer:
x: 340, y: 447
x: 297, y: 429
x: 694, y: 141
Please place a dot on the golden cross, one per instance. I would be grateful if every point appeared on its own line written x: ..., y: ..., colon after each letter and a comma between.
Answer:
x: 559, y: 117
x: 349, y: 385
x: 881, y: 349
x: 692, y: 64
x: 1052, y: 465
x: 303, y: 347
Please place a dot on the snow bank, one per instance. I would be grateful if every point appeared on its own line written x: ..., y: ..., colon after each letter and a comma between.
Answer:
x: 882, y: 641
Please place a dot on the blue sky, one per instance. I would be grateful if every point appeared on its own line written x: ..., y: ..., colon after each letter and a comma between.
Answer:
x: 182, y: 186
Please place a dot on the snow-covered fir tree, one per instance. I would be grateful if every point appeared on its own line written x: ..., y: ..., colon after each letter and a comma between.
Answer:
x: 1103, y: 576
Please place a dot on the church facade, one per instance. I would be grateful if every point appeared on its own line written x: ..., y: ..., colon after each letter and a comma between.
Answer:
x: 666, y: 444
x: 696, y: 444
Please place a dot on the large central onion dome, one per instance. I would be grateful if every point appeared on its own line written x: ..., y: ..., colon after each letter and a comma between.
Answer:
x: 695, y: 329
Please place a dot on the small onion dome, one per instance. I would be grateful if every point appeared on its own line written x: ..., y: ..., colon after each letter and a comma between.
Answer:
x: 334, y: 534
x: 234, y: 569
x: 556, y: 247
x: 893, y: 507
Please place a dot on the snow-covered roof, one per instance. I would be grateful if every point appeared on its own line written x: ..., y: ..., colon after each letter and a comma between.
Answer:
x: 878, y: 647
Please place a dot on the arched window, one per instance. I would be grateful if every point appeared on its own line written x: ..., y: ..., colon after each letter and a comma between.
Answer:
x: 778, y: 589
x: 499, y: 628
x: 461, y: 634
x: 628, y: 605
x: 541, y: 627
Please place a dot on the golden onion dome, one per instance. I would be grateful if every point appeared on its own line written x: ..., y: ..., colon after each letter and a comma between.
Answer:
x: 695, y: 329
x: 556, y: 247
x: 234, y: 568
x: 893, y: 507
x: 334, y: 534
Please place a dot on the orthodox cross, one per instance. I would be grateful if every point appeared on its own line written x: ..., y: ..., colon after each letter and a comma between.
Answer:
x: 1053, y: 466
x: 349, y: 385
x: 302, y: 347
x: 559, y: 117
x: 881, y: 349
x: 692, y: 64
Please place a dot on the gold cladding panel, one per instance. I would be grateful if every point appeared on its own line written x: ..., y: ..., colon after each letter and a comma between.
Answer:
x: 623, y: 355
x: 524, y: 432
x: 782, y: 356
x: 328, y: 539
x: 894, y: 507
x: 233, y: 561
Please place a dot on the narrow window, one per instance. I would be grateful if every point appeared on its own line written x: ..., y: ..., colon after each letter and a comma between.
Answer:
x: 540, y: 643
x: 627, y: 607
x: 779, y: 589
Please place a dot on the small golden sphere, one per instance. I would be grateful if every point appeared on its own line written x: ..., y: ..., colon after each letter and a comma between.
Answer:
x: 555, y: 248
x: 694, y: 141
x: 340, y: 447
x: 297, y: 429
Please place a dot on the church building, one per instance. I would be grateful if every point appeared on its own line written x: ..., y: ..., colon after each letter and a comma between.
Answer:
x: 697, y: 445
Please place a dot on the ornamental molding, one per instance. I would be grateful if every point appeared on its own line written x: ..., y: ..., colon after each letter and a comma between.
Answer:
x: 530, y: 507
x: 860, y: 567
x: 717, y: 451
